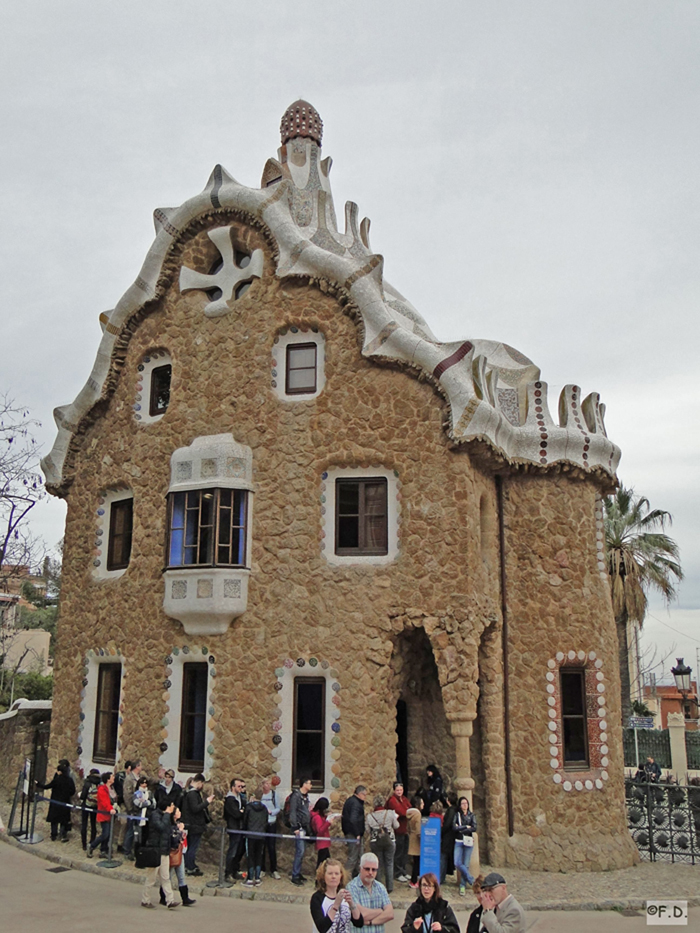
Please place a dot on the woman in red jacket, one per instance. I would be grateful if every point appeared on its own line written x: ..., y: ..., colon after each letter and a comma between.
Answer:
x: 105, y: 809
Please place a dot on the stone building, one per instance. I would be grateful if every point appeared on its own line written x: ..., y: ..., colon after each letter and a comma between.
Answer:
x: 305, y: 536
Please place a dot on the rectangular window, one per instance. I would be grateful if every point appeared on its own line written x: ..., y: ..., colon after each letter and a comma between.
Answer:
x: 301, y: 368
x: 309, y: 730
x: 361, y: 516
x: 573, y: 716
x: 208, y: 528
x: 109, y: 683
x: 193, y: 721
x: 160, y: 390
x: 121, y: 518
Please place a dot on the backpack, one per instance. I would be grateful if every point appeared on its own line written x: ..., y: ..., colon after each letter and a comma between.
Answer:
x: 285, y: 812
x: 382, y: 836
x: 91, y: 798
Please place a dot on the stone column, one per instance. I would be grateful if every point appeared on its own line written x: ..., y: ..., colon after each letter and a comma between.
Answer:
x: 464, y: 782
x: 676, y: 734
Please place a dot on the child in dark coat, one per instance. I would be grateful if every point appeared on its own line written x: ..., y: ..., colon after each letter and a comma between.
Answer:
x: 255, y: 821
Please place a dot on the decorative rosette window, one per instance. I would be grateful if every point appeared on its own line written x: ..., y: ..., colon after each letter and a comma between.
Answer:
x: 577, y: 727
x: 209, y: 527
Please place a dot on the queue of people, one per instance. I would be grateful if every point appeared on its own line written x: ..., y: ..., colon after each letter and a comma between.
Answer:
x: 167, y: 822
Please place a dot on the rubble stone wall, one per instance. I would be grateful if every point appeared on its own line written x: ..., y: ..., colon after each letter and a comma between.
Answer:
x: 559, y: 611
x: 350, y: 620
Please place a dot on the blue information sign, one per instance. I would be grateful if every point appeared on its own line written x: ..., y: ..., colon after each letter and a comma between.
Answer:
x: 430, y: 834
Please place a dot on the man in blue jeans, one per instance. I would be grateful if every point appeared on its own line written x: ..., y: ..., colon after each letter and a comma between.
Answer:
x: 300, y: 822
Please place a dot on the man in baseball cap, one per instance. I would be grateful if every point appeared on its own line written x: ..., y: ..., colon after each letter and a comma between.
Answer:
x: 502, y: 913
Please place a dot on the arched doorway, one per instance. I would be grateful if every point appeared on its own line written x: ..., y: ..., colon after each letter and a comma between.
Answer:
x: 423, y: 733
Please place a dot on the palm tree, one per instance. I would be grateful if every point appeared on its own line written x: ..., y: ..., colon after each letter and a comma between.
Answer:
x: 640, y: 558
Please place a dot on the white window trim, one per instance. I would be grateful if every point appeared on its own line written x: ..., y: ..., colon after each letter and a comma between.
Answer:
x: 88, y: 707
x: 99, y: 563
x: 279, y: 363
x: 328, y: 515
x: 285, y: 717
x: 152, y: 360
x: 173, y: 711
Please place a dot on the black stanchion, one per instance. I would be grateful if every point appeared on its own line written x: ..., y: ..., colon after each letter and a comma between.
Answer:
x: 221, y: 882
x: 18, y: 791
x: 30, y: 837
x: 110, y: 862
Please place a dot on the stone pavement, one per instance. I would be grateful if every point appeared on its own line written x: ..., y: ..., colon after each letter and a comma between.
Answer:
x: 614, y: 890
x: 33, y: 898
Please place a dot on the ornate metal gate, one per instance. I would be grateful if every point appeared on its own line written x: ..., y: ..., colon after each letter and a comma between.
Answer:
x: 664, y: 821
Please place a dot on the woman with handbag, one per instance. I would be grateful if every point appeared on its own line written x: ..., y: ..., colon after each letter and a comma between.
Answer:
x: 178, y: 840
x: 464, y: 828
x: 155, y: 856
x: 381, y: 824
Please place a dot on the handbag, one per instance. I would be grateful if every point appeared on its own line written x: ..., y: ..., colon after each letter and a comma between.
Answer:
x: 176, y: 856
x: 147, y: 857
x: 468, y: 841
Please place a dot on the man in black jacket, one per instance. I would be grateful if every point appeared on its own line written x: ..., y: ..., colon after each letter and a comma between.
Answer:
x: 300, y: 823
x: 353, y: 824
x: 234, y: 808
x: 195, y: 816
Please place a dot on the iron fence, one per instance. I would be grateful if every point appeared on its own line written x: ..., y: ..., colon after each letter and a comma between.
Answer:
x: 655, y: 742
x: 664, y: 821
x: 692, y: 749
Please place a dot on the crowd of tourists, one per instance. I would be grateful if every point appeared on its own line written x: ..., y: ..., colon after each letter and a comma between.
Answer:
x: 159, y: 824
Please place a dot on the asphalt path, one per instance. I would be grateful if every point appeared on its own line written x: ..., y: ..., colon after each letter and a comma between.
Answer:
x: 34, y: 899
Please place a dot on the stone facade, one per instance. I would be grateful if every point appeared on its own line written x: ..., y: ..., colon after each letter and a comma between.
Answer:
x: 424, y: 626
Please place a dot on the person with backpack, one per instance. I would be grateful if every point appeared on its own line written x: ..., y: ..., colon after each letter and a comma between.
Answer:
x: 88, y: 800
x: 118, y: 789
x: 300, y: 824
x: 382, y: 824
x: 269, y: 798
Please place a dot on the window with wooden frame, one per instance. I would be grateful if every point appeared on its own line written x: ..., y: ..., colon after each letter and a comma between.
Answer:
x: 309, y: 738
x: 573, y: 716
x: 301, y: 368
x: 361, y: 516
x: 207, y: 528
x: 121, y: 518
x: 109, y: 682
x: 193, y: 716
x: 160, y: 390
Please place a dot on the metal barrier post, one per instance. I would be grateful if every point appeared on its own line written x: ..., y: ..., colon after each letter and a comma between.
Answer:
x: 222, y: 882
x: 110, y: 862
x: 18, y: 791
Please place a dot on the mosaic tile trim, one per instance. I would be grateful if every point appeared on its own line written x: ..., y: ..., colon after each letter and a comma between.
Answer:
x: 101, y: 540
x: 170, y: 723
x: 142, y: 392
x: 284, y: 688
x: 601, y: 556
x: 394, y: 517
x: 596, y: 775
x: 300, y: 218
x: 93, y: 657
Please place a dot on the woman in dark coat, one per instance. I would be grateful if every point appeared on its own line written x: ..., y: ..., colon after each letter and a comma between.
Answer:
x: 429, y: 913
x: 435, y: 789
x: 62, y: 788
x: 447, y: 839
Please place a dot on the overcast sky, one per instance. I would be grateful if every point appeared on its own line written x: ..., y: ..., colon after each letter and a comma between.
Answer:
x: 530, y: 169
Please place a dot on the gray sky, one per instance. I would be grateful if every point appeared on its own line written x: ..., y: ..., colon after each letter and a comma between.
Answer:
x: 530, y: 169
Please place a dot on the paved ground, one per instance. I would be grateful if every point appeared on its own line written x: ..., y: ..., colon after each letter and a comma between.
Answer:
x: 33, y: 899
